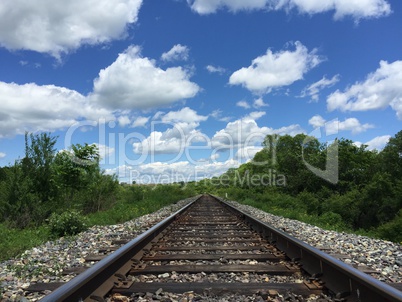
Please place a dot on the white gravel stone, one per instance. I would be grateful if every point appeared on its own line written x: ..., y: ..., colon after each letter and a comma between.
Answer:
x: 46, y: 262
x: 380, y: 255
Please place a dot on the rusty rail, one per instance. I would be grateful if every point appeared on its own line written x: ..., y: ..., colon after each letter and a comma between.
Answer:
x: 342, y: 280
x: 98, y: 280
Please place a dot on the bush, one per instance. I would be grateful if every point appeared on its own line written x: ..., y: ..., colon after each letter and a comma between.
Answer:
x: 99, y: 195
x: 66, y: 224
x: 15, y: 241
x: 392, y: 229
x: 331, y: 219
x: 310, y: 202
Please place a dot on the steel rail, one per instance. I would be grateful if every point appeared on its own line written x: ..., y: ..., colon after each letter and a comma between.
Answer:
x: 85, y: 284
x: 341, y: 279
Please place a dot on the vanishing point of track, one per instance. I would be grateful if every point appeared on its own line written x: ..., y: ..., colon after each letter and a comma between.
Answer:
x: 209, y: 236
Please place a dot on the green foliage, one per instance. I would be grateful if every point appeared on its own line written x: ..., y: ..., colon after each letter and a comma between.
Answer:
x: 66, y: 224
x: 346, y: 205
x: 356, y: 166
x: 15, y: 241
x: 44, y: 180
x: 391, y: 160
x: 137, y: 200
x: 365, y: 197
x: 38, y: 162
x: 100, y: 194
x: 331, y: 219
x: 278, y: 180
x: 23, y: 207
x: 131, y: 202
x: 392, y: 229
x: 29, y: 187
x: 377, y: 202
x: 311, y: 202
x: 81, y: 180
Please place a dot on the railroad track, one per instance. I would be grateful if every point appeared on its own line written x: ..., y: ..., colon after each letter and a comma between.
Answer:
x: 218, y: 249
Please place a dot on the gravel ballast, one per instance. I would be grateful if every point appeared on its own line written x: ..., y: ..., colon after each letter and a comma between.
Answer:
x: 383, y: 256
x: 46, y: 262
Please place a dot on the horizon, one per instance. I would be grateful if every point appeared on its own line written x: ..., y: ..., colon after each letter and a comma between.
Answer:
x: 187, y: 86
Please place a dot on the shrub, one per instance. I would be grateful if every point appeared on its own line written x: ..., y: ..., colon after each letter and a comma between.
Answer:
x: 331, y: 219
x: 99, y: 195
x: 392, y: 229
x: 310, y: 202
x: 66, y: 224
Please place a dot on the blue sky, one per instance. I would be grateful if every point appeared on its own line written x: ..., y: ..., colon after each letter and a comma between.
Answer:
x: 179, y: 90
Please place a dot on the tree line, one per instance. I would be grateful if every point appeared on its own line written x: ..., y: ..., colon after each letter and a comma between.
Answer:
x: 355, y: 189
x: 362, y: 190
x: 45, y: 181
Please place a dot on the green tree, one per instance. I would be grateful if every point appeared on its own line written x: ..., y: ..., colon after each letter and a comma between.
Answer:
x: 30, y: 185
x: 347, y: 205
x: 356, y: 165
x: 377, y: 204
x: 291, y: 154
x: 38, y: 164
x: 85, y: 185
x: 4, y: 187
x: 391, y: 157
x: 269, y: 153
x: 392, y: 229
x: 76, y: 168
x: 311, y: 202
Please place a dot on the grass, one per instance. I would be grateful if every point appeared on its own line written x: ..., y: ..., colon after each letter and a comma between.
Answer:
x: 14, y: 241
x: 135, y: 204
x: 124, y: 211
x: 326, y: 222
x: 130, y: 205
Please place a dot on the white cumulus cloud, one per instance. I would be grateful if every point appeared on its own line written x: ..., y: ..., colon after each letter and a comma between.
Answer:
x: 56, y: 27
x: 314, y: 89
x: 378, y: 143
x: 208, y: 6
x: 31, y: 107
x: 215, y: 69
x: 185, y: 114
x: 177, y: 53
x: 247, y: 153
x: 182, y: 132
x: 335, y: 126
x: 258, y: 103
x: 123, y: 120
x: 255, y: 115
x: 245, y: 132
x: 243, y: 104
x: 381, y: 88
x: 133, y: 82
x: 104, y: 151
x: 274, y: 70
x: 317, y: 121
x: 217, y: 114
x: 350, y: 124
x: 356, y: 9
x: 140, y: 121
x: 162, y: 172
